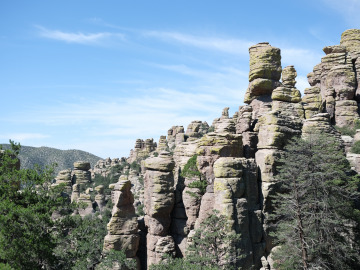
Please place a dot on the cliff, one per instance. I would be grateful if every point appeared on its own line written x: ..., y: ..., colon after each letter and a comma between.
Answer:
x: 239, y: 158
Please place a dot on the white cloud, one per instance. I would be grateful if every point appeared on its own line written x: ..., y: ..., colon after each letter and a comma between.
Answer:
x: 20, y: 137
x: 302, y: 83
x: 348, y: 9
x: 80, y: 38
x: 302, y: 59
x: 233, y: 46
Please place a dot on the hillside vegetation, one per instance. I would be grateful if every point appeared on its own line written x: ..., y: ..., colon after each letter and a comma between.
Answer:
x: 29, y: 156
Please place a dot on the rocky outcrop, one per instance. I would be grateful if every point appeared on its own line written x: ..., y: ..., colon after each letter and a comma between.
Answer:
x: 240, y: 159
x: 173, y: 138
x: 103, y: 167
x: 236, y: 196
x: 142, y: 149
x: 264, y: 76
x: 159, y: 202
x: 335, y: 80
x: 81, y: 173
x: 162, y: 145
x: 64, y: 178
x: 123, y: 226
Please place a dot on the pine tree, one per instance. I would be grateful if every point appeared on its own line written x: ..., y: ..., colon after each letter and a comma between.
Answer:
x: 317, y: 219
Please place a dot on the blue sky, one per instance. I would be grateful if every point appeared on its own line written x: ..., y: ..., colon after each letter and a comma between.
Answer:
x: 97, y: 75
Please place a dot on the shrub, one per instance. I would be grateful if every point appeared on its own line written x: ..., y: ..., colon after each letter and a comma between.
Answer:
x: 355, y: 148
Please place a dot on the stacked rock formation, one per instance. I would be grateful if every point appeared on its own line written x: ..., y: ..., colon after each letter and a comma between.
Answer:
x: 236, y: 196
x: 162, y: 145
x: 240, y: 159
x: 64, y: 177
x: 142, y: 149
x: 81, y: 173
x: 224, y: 123
x: 100, y: 197
x: 173, y: 138
x: 123, y: 226
x: 159, y: 202
x: 195, y: 130
x: 264, y: 76
x: 103, y: 167
x: 334, y: 82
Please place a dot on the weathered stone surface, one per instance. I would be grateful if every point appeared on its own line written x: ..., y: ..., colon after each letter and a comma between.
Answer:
x: 123, y: 225
x: 276, y: 128
x: 265, y: 62
x: 319, y: 123
x: 81, y: 177
x: 86, y: 205
x: 244, y: 118
x: 250, y: 141
x: 158, y: 203
x: 227, y: 167
x: 142, y: 149
x: 312, y: 101
x: 351, y: 40
x: 260, y: 87
x: 82, y: 165
x: 224, y: 125
x: 265, y: 71
x: 163, y: 162
x: 162, y: 145
x: 288, y: 76
x: 346, y: 113
x: 215, y: 145
x: 286, y: 94
x: 127, y: 243
x: 196, y: 129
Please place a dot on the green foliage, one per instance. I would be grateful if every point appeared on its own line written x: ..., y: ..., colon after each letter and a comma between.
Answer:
x: 156, y: 154
x: 180, y: 264
x: 316, y: 217
x: 135, y: 166
x: 46, y: 156
x: 140, y: 210
x: 80, y: 241
x: 211, y: 129
x: 201, y: 185
x: 348, y: 130
x: 117, y: 259
x: 26, y: 205
x: 190, y: 168
x: 355, y: 148
x: 213, y: 247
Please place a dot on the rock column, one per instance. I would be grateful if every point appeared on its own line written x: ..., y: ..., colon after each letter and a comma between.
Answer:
x: 159, y: 202
x: 123, y: 226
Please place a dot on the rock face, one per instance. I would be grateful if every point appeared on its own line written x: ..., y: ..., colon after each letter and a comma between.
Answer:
x: 334, y: 82
x: 265, y: 71
x: 159, y: 202
x: 142, y: 149
x: 123, y: 226
x: 239, y: 160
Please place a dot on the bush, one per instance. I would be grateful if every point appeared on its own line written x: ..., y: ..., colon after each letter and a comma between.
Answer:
x: 349, y: 131
x: 190, y: 168
x: 355, y: 148
x: 202, y: 184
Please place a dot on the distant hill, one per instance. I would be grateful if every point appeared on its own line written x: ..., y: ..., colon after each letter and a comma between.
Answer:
x: 29, y: 156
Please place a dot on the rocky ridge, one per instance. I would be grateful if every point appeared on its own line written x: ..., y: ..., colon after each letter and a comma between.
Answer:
x: 239, y: 158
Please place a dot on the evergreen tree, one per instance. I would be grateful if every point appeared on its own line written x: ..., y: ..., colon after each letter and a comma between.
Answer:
x: 317, y: 219
x: 212, y: 247
x: 26, y: 205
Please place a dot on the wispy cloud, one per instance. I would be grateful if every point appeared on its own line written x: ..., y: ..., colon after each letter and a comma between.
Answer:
x: 304, y: 60
x: 20, y: 137
x: 79, y: 37
x: 348, y: 9
x: 233, y: 46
